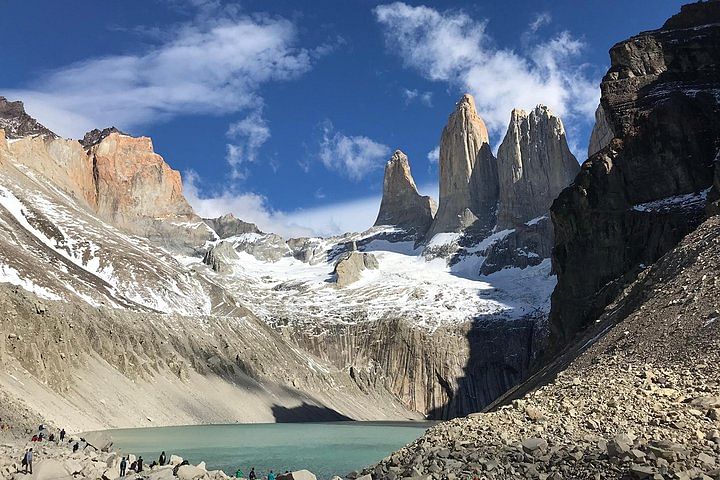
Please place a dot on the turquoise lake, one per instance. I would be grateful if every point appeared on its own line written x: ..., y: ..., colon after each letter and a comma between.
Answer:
x: 325, y: 449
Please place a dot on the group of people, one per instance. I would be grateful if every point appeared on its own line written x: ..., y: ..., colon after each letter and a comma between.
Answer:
x: 137, y: 465
x: 42, y: 435
x: 253, y: 476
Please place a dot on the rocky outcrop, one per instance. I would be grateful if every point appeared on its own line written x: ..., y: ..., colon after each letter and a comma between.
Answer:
x: 228, y: 226
x: 534, y: 165
x: 219, y: 257
x: 350, y: 266
x: 601, y: 133
x: 527, y: 245
x: 468, y: 174
x: 17, y: 123
x: 402, y: 206
x: 95, y: 136
x: 640, y: 195
x: 138, y: 192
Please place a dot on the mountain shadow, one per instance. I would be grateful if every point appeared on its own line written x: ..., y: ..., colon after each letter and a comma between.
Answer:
x: 307, y: 413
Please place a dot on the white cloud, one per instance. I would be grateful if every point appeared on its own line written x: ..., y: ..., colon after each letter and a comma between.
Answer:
x: 434, y: 155
x: 208, y: 66
x: 349, y: 216
x: 249, y: 134
x: 541, y: 19
x: 452, y: 47
x: 353, y: 156
x: 414, y: 94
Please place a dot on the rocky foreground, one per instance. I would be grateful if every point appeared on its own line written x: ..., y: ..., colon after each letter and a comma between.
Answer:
x: 53, y: 461
x: 642, y: 399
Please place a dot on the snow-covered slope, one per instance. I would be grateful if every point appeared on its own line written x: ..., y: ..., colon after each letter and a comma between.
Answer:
x: 426, y: 292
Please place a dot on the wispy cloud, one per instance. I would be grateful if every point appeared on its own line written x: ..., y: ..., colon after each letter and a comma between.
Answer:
x: 208, y: 66
x: 434, y: 155
x: 412, y: 95
x: 452, y: 47
x: 249, y: 134
x: 541, y: 19
x: 351, y: 156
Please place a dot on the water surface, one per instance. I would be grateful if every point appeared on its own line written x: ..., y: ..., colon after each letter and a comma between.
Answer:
x: 326, y: 449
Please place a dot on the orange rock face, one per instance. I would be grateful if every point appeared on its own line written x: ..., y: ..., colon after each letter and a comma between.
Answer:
x: 132, y: 181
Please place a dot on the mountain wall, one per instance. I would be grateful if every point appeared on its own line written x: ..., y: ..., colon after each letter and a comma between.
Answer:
x: 636, y: 198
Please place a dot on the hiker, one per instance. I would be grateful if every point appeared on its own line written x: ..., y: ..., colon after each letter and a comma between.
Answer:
x: 123, y: 466
x: 139, y: 464
x: 252, y: 475
x: 51, y: 437
x: 76, y: 447
x: 24, y: 461
x: 239, y: 473
x: 62, y: 434
x: 162, y: 459
x: 272, y: 476
x: 28, y: 463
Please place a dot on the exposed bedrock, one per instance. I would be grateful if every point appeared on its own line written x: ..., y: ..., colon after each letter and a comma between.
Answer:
x: 402, y: 206
x: 534, y: 165
x: 468, y: 173
x: 640, y: 195
x: 445, y: 373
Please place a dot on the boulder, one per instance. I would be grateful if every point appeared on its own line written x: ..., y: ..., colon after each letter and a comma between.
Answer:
x: 350, y: 265
x: 220, y: 257
x: 50, y: 469
x: 189, y: 472
x: 175, y: 460
x: 402, y: 206
x: 303, y: 475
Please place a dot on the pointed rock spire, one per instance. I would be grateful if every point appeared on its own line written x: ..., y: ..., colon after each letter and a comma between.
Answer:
x: 468, y: 173
x: 534, y: 166
x: 401, y: 204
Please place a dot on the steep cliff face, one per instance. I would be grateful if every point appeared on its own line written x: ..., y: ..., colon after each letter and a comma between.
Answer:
x: 138, y: 192
x: 402, y: 206
x: 468, y: 173
x: 637, y: 197
x: 534, y: 165
x: 450, y: 372
x: 601, y: 134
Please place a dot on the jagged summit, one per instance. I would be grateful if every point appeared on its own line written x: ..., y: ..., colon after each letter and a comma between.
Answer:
x: 17, y: 123
x: 229, y: 226
x: 401, y: 204
x: 534, y: 165
x: 468, y: 173
x: 95, y: 136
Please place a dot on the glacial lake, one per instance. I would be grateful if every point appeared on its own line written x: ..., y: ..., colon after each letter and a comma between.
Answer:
x: 326, y: 449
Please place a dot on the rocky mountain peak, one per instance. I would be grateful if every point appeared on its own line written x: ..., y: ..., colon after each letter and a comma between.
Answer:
x: 95, y: 136
x: 17, y: 123
x: 534, y: 165
x: 229, y: 226
x: 468, y: 173
x: 402, y: 205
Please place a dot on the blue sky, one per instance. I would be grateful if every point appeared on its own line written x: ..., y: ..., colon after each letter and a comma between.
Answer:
x: 284, y: 112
